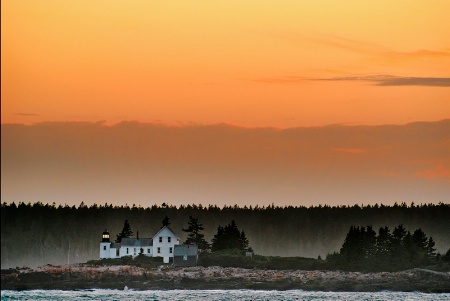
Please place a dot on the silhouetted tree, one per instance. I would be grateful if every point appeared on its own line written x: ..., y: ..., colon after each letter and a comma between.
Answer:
x: 384, y: 240
x: 165, y: 222
x: 229, y: 237
x: 446, y: 256
x: 431, y: 251
x: 369, y: 243
x: 244, y: 241
x: 351, y: 249
x: 126, y: 232
x: 194, y: 236
x: 420, y: 239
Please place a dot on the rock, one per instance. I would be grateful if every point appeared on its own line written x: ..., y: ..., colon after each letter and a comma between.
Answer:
x: 167, y: 277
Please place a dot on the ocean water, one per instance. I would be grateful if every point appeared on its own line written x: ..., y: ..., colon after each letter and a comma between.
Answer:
x: 212, y: 295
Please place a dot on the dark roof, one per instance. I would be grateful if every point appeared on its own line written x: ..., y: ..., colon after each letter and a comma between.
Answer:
x: 134, y: 242
x: 115, y: 245
x: 181, y: 250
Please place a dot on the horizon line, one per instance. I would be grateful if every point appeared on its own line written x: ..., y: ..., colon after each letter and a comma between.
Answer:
x: 223, y: 123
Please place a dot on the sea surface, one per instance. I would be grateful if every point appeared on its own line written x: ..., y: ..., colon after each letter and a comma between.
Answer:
x: 222, y: 295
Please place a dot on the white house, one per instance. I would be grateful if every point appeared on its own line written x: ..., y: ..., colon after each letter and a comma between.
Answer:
x: 161, y: 245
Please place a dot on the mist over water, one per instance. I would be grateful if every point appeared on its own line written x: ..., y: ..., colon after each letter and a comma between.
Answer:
x: 210, y: 295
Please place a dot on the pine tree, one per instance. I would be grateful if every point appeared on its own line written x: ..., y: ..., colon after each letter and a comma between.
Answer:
x: 126, y: 232
x: 194, y: 236
x: 384, y: 242
x: 165, y: 222
x: 369, y: 243
x: 431, y: 251
x: 243, y: 240
x: 218, y: 242
x: 351, y: 248
x: 420, y: 239
x: 229, y: 237
x: 446, y: 256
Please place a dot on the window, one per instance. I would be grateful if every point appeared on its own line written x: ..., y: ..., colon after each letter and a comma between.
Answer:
x: 160, y: 239
x: 148, y: 250
x: 169, y: 239
x: 159, y: 250
x: 170, y: 250
x: 127, y: 250
x: 104, y: 248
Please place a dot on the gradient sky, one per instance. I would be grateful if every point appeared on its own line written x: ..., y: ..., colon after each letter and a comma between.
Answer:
x: 272, y: 65
x: 251, y: 63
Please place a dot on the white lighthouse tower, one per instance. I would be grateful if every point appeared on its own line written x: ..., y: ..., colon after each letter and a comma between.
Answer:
x: 105, y: 245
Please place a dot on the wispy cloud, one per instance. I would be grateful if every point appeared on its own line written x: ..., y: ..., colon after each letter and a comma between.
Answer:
x: 391, y: 80
x: 415, y: 81
x: 375, y: 50
x: 418, y: 54
x: 437, y: 172
x: 379, y: 80
x: 352, y: 45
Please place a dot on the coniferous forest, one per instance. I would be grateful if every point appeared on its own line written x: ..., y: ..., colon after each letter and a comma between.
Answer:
x: 38, y: 234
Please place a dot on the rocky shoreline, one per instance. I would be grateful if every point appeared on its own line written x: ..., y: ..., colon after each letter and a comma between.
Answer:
x: 82, y: 276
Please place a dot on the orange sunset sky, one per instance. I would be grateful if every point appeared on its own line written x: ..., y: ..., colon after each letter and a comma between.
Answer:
x: 79, y: 79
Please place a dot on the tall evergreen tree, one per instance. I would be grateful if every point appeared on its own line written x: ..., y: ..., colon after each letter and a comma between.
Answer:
x: 165, y: 222
x: 194, y: 236
x: 384, y: 240
x: 399, y: 233
x: 446, y: 256
x: 126, y: 232
x: 351, y: 249
x: 420, y: 239
x: 431, y: 251
x: 244, y: 241
x: 369, y: 243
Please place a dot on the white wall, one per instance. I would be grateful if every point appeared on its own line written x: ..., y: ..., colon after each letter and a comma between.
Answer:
x: 112, y: 253
x: 165, y: 240
x: 104, y: 250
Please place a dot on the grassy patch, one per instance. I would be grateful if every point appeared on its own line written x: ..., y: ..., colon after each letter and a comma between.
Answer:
x: 139, y: 261
x: 236, y: 258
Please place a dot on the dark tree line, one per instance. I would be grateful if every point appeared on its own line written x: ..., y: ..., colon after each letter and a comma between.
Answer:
x: 38, y: 234
x: 364, y: 249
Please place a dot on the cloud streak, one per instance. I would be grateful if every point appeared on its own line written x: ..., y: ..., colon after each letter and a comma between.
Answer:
x: 436, y: 172
x: 391, y: 80
x: 378, y: 80
x: 422, y: 54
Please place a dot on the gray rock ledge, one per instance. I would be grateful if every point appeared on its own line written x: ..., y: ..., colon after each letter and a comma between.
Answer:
x: 82, y: 276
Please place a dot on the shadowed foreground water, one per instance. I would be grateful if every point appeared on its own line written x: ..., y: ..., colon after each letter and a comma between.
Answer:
x: 200, y: 295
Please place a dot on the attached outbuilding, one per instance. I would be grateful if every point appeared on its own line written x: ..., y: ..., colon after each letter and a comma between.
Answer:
x: 185, y: 255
